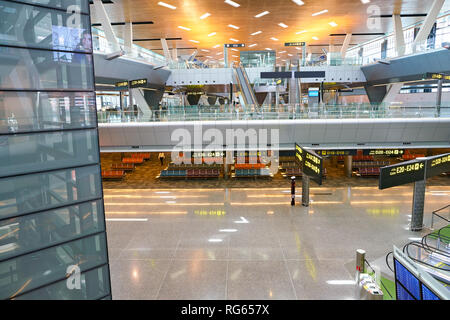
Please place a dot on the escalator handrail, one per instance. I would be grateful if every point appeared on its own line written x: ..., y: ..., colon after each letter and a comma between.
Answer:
x: 406, y: 250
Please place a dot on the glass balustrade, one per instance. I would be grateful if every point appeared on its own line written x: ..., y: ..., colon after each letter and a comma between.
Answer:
x: 280, y: 112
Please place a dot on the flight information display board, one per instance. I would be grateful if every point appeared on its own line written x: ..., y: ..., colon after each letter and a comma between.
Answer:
x: 211, y: 154
x: 427, y: 294
x: 384, y: 152
x: 123, y: 84
x: 312, y: 164
x: 403, y: 173
x: 437, y: 165
x: 406, y: 283
x: 330, y: 153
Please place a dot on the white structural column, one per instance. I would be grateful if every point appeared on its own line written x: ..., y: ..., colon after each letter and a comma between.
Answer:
x: 399, y: 35
x: 175, y: 54
x: 166, y: 50
x: 128, y: 32
x: 348, y: 38
x: 429, y: 22
x: 138, y: 95
x: 106, y: 24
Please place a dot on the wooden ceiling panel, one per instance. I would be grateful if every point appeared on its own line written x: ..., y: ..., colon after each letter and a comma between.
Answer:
x: 351, y: 16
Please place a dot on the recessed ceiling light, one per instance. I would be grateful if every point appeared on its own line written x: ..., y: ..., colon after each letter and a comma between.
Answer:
x: 300, y: 32
x: 333, y: 24
x: 234, y: 40
x: 299, y: 2
x: 262, y: 14
x: 209, y: 57
x: 216, y: 46
x: 281, y: 24
x: 298, y: 48
x: 290, y: 55
x: 195, y: 41
x: 219, y: 53
x: 365, y: 1
x: 184, y: 28
x: 268, y: 49
x: 235, y: 56
x: 255, y: 33
x: 232, y: 3
x: 212, y: 34
x: 319, y: 13
x: 206, y: 15
x: 204, y: 50
x: 315, y: 38
x: 252, y: 45
x: 233, y: 26
x: 274, y: 39
x: 234, y: 50
x: 163, y: 4
x: 282, y: 52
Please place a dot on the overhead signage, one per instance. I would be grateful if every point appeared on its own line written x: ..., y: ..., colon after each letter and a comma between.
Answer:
x: 437, y: 76
x: 437, y: 165
x: 312, y: 164
x: 309, y: 74
x: 383, y: 152
x: 334, y: 153
x: 295, y: 44
x: 276, y: 75
x: 212, y: 154
x: 403, y: 173
x: 251, y: 153
x: 235, y: 45
x: 138, y: 83
x: 123, y: 84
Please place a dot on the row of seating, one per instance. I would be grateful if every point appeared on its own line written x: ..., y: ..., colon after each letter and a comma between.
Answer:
x: 294, y: 172
x: 363, y: 158
x: 113, y: 174
x: 133, y: 160
x: 249, y: 166
x: 286, y: 159
x: 369, y: 172
x: 252, y: 172
x: 408, y: 157
x: 173, y: 166
x: 123, y: 166
x: 143, y: 155
x: 288, y: 165
x: 202, y: 173
x: 370, y: 164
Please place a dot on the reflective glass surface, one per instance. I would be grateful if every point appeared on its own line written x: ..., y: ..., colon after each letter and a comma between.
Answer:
x: 27, y: 153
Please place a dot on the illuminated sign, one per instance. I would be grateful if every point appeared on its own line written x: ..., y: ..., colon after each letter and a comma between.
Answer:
x: 138, y: 83
x: 437, y: 165
x: 251, y: 153
x: 325, y: 153
x: 295, y: 44
x: 123, y: 84
x: 211, y: 154
x: 437, y: 76
x: 312, y: 164
x: 214, y: 213
x: 403, y: 173
x: 234, y: 45
x: 384, y: 152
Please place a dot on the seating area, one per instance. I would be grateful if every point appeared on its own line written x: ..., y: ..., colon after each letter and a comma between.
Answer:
x: 297, y: 172
x: 191, y: 173
x: 240, y: 166
x: 408, y: 157
x: 370, y: 164
x: 113, y: 174
x: 369, y: 172
x: 123, y: 166
x: 361, y: 157
x: 252, y: 173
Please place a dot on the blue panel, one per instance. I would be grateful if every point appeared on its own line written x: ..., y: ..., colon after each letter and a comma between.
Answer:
x: 402, y: 294
x: 409, y: 281
x: 428, y: 294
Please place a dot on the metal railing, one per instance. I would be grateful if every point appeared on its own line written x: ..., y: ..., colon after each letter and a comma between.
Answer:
x: 435, y: 213
x: 272, y: 112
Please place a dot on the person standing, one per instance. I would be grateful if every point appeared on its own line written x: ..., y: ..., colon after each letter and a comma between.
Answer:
x: 161, y: 157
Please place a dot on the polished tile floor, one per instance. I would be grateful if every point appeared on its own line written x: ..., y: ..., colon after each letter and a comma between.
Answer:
x: 245, y: 243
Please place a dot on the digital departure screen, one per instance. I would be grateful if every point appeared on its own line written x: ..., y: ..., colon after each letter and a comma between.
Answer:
x: 437, y: 165
x: 408, y: 281
x: 123, y: 84
x: 312, y: 164
x: 325, y: 153
x: 427, y: 294
x: 403, y: 173
x: 211, y: 154
x: 384, y: 152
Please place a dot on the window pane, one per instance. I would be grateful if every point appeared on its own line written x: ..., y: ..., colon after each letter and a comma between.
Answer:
x: 28, y: 233
x: 26, y: 153
x: 43, y: 191
x: 94, y: 285
x: 24, y: 273
x: 45, y: 70
x: 49, y: 29
x: 61, y: 4
x: 39, y: 111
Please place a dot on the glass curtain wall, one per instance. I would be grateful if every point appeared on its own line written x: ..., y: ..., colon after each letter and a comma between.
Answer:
x: 52, y: 224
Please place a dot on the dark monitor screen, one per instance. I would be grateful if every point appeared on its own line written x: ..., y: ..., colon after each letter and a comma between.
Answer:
x: 408, y: 281
x: 427, y: 294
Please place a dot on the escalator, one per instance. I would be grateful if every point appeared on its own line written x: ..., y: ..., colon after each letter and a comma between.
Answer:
x: 241, y: 78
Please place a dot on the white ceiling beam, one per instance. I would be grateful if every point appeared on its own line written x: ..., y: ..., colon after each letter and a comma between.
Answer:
x: 399, y: 35
x: 106, y: 24
x: 429, y: 21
